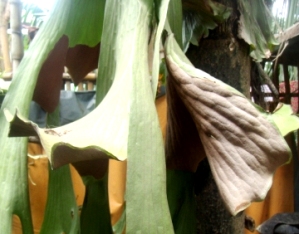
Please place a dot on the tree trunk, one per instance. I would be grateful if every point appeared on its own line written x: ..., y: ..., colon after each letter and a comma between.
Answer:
x: 211, y: 213
x: 225, y: 57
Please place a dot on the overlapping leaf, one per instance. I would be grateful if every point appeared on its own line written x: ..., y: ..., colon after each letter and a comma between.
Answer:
x: 61, y: 212
x: 124, y: 125
x: 200, y: 17
x: 242, y: 147
x: 285, y: 119
x: 95, y: 215
x: 161, y: 11
x: 14, y: 150
x: 181, y: 200
x: 175, y: 19
x: 77, y: 48
x: 78, y: 141
x: 14, y: 197
x: 255, y: 28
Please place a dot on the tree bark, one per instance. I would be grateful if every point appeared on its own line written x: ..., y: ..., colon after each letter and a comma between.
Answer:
x: 225, y: 57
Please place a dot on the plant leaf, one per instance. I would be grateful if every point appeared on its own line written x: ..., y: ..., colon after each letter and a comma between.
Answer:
x: 162, y: 16
x: 65, y: 145
x: 175, y: 19
x: 242, y: 147
x: 117, y: 127
x: 181, y: 199
x: 183, y: 147
x: 107, y: 57
x: 49, y: 81
x: 255, y: 28
x: 80, y: 60
x: 61, y: 213
x: 200, y: 17
x: 95, y: 215
x: 285, y: 119
x: 14, y: 197
x: 84, y: 24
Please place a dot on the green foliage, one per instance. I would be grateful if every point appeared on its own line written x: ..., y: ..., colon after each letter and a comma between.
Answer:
x: 255, y: 28
x: 181, y: 199
x: 285, y: 119
x: 200, y: 17
x: 175, y: 19
x: 89, y: 17
x: 61, y: 212
x: 95, y: 215
x: 13, y: 159
x: 124, y: 126
x: 132, y: 81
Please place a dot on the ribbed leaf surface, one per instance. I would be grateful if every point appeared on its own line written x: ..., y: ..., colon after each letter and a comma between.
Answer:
x: 243, y: 147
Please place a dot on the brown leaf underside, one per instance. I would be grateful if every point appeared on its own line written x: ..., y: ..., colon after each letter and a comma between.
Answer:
x: 242, y: 147
x: 49, y: 82
x: 80, y: 60
x: 184, y: 149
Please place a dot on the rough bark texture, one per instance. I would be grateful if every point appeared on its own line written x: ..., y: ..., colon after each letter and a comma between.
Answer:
x: 214, y: 57
x: 225, y: 57
x: 211, y: 213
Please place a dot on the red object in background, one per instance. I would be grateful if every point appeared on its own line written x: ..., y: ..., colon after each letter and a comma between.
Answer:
x: 294, y: 89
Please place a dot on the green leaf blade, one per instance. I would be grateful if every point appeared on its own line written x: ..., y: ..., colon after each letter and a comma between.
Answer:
x: 85, y: 22
x: 13, y: 156
x: 285, y: 120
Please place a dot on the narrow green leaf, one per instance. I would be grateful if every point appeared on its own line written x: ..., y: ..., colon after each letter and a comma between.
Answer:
x: 61, y: 213
x: 14, y: 197
x: 200, y: 17
x: 85, y: 22
x: 285, y: 119
x: 161, y: 11
x: 95, y: 215
x: 146, y: 202
x: 181, y: 199
x: 175, y: 19
x: 107, y: 58
x: 255, y: 28
x: 124, y: 125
